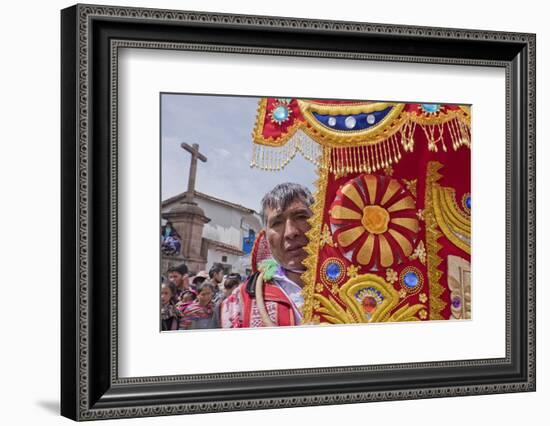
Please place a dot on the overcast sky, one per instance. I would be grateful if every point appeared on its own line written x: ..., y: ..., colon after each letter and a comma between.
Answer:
x: 222, y: 126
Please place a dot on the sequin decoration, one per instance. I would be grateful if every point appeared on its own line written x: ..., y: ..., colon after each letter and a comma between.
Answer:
x: 333, y: 271
x: 411, y: 280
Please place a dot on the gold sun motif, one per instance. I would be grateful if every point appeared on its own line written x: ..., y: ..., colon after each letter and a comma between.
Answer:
x: 374, y: 221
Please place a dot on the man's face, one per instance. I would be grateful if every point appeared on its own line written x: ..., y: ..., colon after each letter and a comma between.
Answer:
x: 218, y: 277
x: 181, y: 281
x: 286, y: 234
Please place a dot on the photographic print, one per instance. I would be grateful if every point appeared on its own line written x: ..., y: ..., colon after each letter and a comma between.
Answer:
x: 295, y: 212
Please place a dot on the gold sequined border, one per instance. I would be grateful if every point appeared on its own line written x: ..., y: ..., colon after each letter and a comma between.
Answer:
x: 314, y: 237
x: 437, y: 304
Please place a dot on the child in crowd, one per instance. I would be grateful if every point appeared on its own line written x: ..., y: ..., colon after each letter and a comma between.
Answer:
x: 199, y: 314
x: 186, y: 299
x: 168, y: 313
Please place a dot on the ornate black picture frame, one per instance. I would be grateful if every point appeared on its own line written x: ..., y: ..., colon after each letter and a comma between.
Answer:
x: 91, y: 387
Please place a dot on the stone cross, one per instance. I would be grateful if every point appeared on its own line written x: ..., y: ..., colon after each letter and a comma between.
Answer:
x: 194, y: 151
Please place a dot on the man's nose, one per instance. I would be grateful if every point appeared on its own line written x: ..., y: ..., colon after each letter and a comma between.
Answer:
x: 291, y: 230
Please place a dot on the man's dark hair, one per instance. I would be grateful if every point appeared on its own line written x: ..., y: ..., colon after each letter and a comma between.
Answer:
x: 232, y: 281
x: 282, y: 196
x: 181, y: 269
x: 214, y: 270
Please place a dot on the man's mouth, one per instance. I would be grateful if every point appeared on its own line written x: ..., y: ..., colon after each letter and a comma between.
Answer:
x: 294, y: 249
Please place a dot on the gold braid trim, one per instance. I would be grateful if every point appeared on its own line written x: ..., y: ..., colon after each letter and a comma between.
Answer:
x: 314, y: 238
x: 454, y: 223
x: 432, y: 235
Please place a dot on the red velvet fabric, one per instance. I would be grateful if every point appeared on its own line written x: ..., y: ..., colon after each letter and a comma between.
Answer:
x: 455, y: 174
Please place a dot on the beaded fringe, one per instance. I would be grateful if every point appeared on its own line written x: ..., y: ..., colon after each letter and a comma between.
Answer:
x: 360, y: 158
x: 276, y: 158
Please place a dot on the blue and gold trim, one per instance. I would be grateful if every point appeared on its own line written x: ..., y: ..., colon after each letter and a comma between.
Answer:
x: 358, y: 124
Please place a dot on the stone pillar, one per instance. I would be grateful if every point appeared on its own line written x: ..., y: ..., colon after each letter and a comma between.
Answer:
x: 188, y: 219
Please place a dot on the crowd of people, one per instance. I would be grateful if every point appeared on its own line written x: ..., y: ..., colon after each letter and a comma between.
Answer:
x: 191, y: 302
x: 271, y: 296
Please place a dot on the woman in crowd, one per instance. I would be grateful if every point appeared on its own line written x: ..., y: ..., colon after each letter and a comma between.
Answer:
x: 199, y: 314
x: 168, y: 313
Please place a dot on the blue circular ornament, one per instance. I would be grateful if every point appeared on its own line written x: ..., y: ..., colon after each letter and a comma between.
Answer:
x: 333, y: 271
x: 280, y: 113
x: 430, y: 108
x: 468, y: 202
x: 410, y: 279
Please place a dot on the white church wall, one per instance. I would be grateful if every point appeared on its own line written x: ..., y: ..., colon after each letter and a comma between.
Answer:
x: 240, y: 264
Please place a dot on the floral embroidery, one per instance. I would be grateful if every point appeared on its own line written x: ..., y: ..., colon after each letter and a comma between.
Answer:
x: 352, y: 271
x: 326, y: 237
x: 391, y: 275
x: 419, y: 253
x: 411, y: 186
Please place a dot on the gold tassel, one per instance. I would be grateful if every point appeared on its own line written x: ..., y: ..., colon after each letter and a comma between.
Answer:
x: 384, y: 148
x: 377, y: 157
x: 392, y: 148
x: 370, y: 159
x: 442, y: 130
